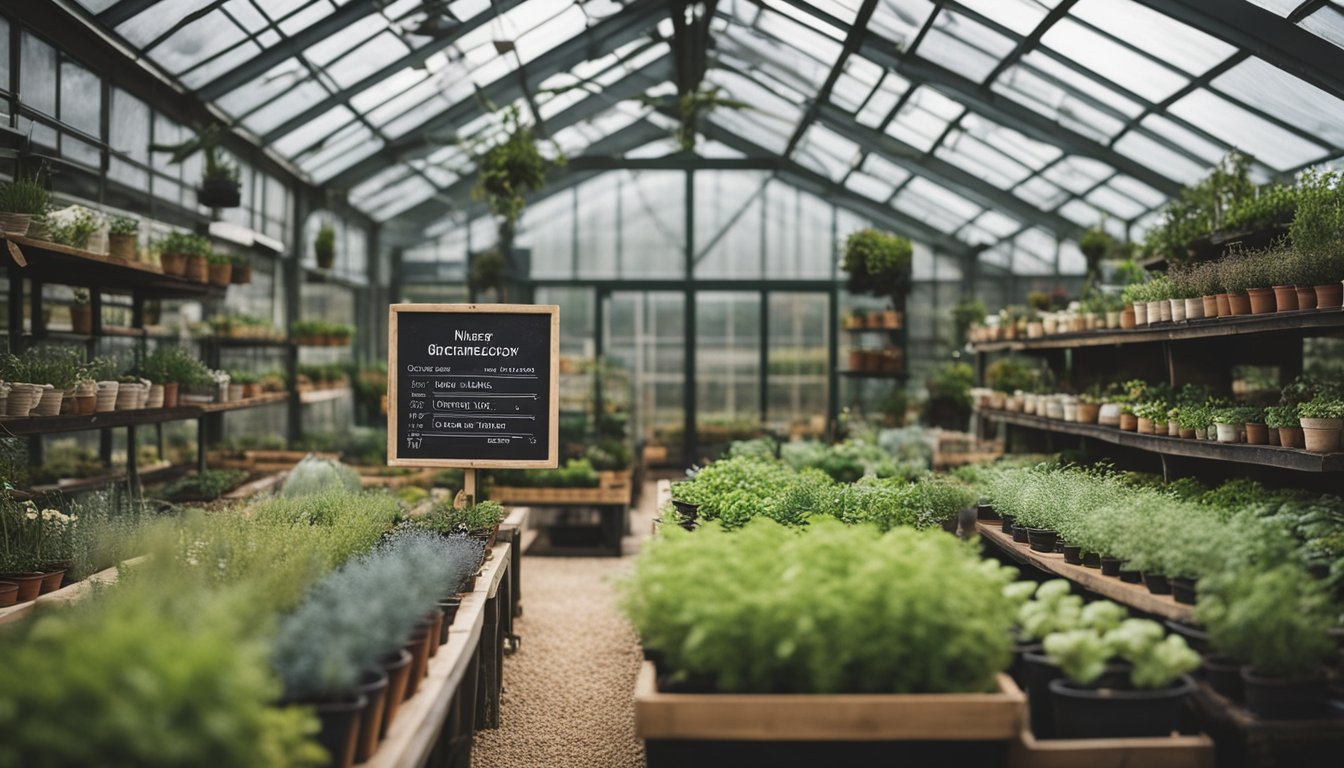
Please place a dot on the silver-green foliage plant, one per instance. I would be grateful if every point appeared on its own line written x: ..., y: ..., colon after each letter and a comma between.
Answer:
x: 757, y: 610
x: 366, y: 610
x: 1155, y: 661
x: 314, y: 475
x: 1275, y: 620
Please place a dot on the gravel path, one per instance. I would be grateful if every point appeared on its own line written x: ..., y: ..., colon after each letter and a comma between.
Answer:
x: 567, y: 692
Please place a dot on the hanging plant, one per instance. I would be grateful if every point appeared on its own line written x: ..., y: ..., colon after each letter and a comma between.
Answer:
x: 488, y: 272
x: 879, y: 263
x: 694, y: 106
x: 510, y: 169
x: 324, y: 246
x: 219, y: 181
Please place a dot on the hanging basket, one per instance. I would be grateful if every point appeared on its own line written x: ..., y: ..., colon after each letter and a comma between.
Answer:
x: 219, y: 192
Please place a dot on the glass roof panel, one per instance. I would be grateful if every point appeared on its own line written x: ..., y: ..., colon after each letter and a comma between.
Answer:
x: 944, y: 199
x: 811, y: 20
x: 570, y: 22
x: 1059, y: 79
x: 855, y: 82
x: 277, y: 111
x: 1113, y: 202
x: 1140, y: 147
x: 1254, y: 135
x: 900, y: 20
x: 1078, y: 174
x: 367, y: 59
x: 883, y: 100
x: 336, y: 163
x: 1178, y: 134
x: 1281, y: 7
x: 1021, y: 16
x: 350, y: 139
x: 306, y: 17
x: 882, y: 168
x: 976, y: 157
x: 825, y: 152
x: 1080, y: 213
x: 1158, y: 34
x: 966, y: 47
x: 220, y: 64
x: 196, y: 42
x: 1132, y: 71
x: 1270, y: 89
x: 1137, y: 190
x: 1040, y: 193
x: 1327, y: 23
x: 1040, y: 95
x: 997, y: 223
x: 297, y: 140
x: 870, y: 186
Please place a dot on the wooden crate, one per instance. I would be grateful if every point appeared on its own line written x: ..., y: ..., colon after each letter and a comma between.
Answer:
x: 655, y: 454
x: 1169, y: 752
x: 827, y: 717
x: 505, y: 494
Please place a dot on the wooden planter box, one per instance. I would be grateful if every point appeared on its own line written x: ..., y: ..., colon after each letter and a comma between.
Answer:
x: 560, y: 496
x: 1170, y: 752
x: 655, y: 454
x: 716, y: 729
x: 370, y: 479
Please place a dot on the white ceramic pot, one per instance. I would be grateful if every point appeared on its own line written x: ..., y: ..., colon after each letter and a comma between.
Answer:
x: 1140, y: 313
x: 1109, y: 415
x: 22, y: 399
x: 1229, y: 433
x: 235, y: 392
x: 1177, y: 310
x: 1155, y: 312
x: 49, y: 402
x: 1049, y: 324
x: 1070, y: 410
x: 1194, y: 309
x: 107, y: 396
x: 1112, y: 320
x: 997, y: 400
x: 1054, y: 409
x: 155, y: 398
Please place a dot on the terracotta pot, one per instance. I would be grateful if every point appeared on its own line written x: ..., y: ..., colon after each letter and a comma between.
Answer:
x: 1285, y: 298
x: 1328, y: 296
x: 9, y: 593
x: 1321, y: 435
x: 1262, y: 300
x: 1210, y: 306
x: 1145, y: 426
x: 198, y: 269
x: 1088, y: 413
x: 85, y: 404
x: 81, y: 318
x: 51, y: 580
x: 1274, y: 436
x: 251, y: 390
x: 1194, y: 309
x: 1257, y: 434
x: 1291, y: 437
x: 1306, y: 297
x: 1224, y: 305
x: 855, y: 359
x: 174, y: 264
x: 29, y: 582
x: 220, y: 274
x: 1239, y: 304
x: 1187, y: 434
x: 122, y: 246
x: 1128, y: 422
x: 1127, y: 319
x: 170, y: 395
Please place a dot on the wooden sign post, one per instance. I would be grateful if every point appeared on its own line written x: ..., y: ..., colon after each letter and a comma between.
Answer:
x: 473, y: 386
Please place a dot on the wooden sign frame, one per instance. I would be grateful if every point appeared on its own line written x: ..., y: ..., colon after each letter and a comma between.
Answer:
x: 552, y: 459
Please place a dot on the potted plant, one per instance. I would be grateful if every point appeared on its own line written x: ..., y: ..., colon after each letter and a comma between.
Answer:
x: 1276, y: 621
x: 219, y: 180
x: 1231, y: 423
x: 1257, y: 433
x: 122, y: 236
x: 1315, y: 233
x: 220, y: 268
x: 1149, y: 414
x: 173, y: 252
x: 1093, y: 702
x: 1285, y: 429
x: 81, y: 311
x: 324, y: 246
x: 1322, y: 418
x: 479, y: 521
x: 1051, y: 609
x: 21, y: 200
x: 242, y: 269
x: 879, y: 263
x: 175, y: 368
x: 198, y: 261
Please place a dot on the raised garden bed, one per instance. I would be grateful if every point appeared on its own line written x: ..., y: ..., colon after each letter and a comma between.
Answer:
x: 712, y: 729
x: 1169, y: 752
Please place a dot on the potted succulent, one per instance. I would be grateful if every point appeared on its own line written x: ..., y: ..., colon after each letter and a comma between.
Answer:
x: 1094, y: 700
x: 220, y: 266
x: 324, y: 246
x: 1322, y: 418
x: 1285, y: 429
x: 242, y: 269
x: 81, y: 311
x: 21, y: 200
x: 122, y: 236
x: 1276, y: 621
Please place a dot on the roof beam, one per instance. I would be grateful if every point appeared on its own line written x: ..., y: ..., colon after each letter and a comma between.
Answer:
x: 123, y: 11
x: 1271, y: 37
x: 347, y: 15
x: 1030, y: 41
x: 412, y: 59
x: 595, y: 42
x: 1008, y: 112
x: 940, y: 171
x: 852, y: 40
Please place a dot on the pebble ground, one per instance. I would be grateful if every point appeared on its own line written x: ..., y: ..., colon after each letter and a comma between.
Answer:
x: 567, y: 691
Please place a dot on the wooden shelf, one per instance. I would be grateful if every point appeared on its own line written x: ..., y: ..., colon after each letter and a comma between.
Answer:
x: 265, y: 398
x: 45, y: 425
x: 234, y: 343
x: 324, y: 395
x: 1298, y: 323
x: 162, y: 470
x: 1133, y: 595
x: 873, y: 374
x: 1262, y: 455
x: 61, y: 265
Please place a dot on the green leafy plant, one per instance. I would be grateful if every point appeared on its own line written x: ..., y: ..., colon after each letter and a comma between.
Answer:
x: 25, y: 194
x: 878, y: 263
x: 206, y: 486
x: 123, y: 225
x: 1011, y: 374
x: 1322, y: 407
x: 488, y: 271
x: 743, y: 609
x: 59, y: 366
x: 73, y: 229
x: 169, y: 364
x: 966, y: 313
x: 510, y: 169
x: 478, y: 520
x: 1276, y: 620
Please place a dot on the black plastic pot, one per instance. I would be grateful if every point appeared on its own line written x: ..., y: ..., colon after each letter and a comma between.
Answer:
x: 1183, y: 590
x: 1006, y: 523
x: 339, y: 717
x: 373, y: 686
x: 1128, y: 576
x: 1100, y: 713
x: 1197, y: 639
x: 688, y: 513
x: 1224, y: 676
x: 1042, y: 539
x: 1073, y: 555
x: 1110, y: 566
x: 1018, y: 670
x: 219, y: 192
x: 1091, y: 560
x: 1020, y: 534
x: 985, y: 512
x: 1156, y: 583
x: 449, y: 606
x: 1279, y: 698
x: 1040, y: 673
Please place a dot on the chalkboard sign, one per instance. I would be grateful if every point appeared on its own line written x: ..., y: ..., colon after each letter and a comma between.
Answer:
x: 472, y: 385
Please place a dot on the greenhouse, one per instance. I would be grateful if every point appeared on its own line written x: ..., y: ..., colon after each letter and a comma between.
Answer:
x: 941, y: 382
